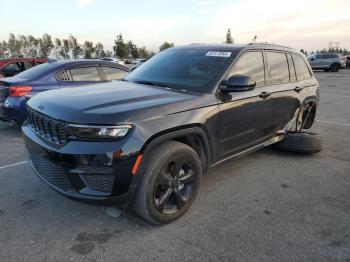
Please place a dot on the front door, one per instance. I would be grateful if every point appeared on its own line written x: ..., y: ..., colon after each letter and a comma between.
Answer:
x: 245, y: 117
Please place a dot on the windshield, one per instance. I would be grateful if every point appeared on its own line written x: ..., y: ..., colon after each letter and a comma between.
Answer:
x: 35, y: 72
x: 180, y: 69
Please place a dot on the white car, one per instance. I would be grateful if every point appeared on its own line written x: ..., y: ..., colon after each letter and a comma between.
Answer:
x: 113, y: 59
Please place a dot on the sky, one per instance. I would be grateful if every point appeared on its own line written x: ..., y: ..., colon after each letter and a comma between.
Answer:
x: 307, y: 24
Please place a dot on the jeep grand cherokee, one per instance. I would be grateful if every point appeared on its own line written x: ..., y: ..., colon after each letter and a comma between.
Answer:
x: 147, y: 139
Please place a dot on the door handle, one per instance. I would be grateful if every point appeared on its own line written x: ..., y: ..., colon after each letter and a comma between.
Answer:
x: 298, y: 89
x: 264, y: 95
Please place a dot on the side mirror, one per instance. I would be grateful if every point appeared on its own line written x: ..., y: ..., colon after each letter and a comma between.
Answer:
x: 312, y: 58
x: 237, y: 83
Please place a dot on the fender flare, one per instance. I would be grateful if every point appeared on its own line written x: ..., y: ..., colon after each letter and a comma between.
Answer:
x: 171, y: 134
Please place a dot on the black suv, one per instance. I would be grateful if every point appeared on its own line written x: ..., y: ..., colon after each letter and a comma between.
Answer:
x: 147, y: 139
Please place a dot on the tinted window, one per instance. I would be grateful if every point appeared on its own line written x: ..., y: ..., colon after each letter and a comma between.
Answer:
x: 113, y: 73
x: 13, y: 69
x: 251, y: 64
x: 301, y: 68
x: 193, y: 70
x: 278, y: 68
x: 292, y: 75
x: 28, y: 64
x: 334, y: 56
x: 85, y: 74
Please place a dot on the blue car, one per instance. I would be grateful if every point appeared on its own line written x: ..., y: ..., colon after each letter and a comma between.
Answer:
x: 17, y: 90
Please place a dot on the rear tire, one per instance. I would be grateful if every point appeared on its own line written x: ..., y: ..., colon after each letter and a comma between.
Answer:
x: 170, y: 182
x: 301, y: 142
x: 334, y: 68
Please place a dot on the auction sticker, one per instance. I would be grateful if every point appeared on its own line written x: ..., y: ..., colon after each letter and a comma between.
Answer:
x: 218, y: 54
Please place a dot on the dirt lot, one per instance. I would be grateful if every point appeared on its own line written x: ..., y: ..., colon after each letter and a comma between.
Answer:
x: 268, y: 206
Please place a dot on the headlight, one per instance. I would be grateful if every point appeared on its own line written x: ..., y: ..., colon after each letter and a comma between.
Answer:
x: 99, y: 132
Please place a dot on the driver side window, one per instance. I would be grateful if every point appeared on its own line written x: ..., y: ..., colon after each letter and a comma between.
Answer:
x: 251, y: 64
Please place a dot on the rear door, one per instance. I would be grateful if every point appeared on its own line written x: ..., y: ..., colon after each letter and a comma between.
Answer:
x: 282, y: 80
x: 245, y: 117
x: 288, y: 96
x: 325, y: 61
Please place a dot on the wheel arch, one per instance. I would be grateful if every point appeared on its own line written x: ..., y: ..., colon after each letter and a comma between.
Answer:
x: 194, y: 136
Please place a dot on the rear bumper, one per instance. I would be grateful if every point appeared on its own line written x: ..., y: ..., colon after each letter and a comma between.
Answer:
x: 13, y: 109
x: 101, y: 178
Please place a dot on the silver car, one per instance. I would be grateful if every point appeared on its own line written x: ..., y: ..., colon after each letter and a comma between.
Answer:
x: 327, y: 62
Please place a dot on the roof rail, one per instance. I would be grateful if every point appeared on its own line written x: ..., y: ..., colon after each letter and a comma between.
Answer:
x: 252, y: 43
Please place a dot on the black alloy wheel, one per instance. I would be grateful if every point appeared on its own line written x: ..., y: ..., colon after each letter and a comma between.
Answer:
x: 174, y: 185
x: 170, y: 179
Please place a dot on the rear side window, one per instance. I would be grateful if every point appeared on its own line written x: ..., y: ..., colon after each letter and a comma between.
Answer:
x: 301, y: 68
x: 278, y: 68
x: 113, y: 73
x: 85, y: 74
x: 292, y: 75
x: 13, y: 69
x: 251, y: 64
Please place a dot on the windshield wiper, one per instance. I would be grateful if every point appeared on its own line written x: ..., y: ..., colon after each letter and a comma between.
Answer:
x: 151, y: 83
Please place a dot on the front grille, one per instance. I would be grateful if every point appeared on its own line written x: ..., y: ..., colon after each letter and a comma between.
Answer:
x: 99, y: 182
x: 48, y: 128
x: 50, y: 171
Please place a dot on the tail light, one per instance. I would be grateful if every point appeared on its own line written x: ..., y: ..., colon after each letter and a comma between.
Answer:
x: 19, y: 90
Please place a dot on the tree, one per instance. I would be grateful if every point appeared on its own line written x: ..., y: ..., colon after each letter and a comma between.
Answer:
x: 133, y: 50
x: 229, y: 39
x: 58, y: 47
x: 120, y: 48
x: 88, y: 49
x: 109, y: 53
x: 33, y: 46
x: 99, y: 52
x: 143, y: 52
x: 14, y: 46
x: 24, y: 44
x: 3, y: 49
x: 74, y: 47
x: 65, y: 49
x: 165, y: 45
x: 45, y: 45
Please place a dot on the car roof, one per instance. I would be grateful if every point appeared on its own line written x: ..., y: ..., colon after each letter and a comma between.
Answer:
x: 19, y: 59
x: 62, y: 63
x: 236, y: 47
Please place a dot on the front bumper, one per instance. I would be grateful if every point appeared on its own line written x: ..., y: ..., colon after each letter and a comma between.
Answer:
x: 101, y: 178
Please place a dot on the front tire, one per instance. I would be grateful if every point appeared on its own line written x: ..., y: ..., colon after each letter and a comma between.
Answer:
x: 170, y: 182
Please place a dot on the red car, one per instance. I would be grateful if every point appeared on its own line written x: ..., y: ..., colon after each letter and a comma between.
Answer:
x: 13, y: 66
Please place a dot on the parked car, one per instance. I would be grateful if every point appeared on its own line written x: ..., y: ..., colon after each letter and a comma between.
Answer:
x: 16, y: 91
x: 347, y: 61
x: 327, y: 62
x: 148, y: 139
x: 113, y: 59
x: 13, y: 66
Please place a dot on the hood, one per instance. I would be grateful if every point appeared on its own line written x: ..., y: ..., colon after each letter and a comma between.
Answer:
x: 112, y: 102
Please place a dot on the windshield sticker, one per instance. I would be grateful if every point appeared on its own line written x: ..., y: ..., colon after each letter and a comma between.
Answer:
x: 218, y: 54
